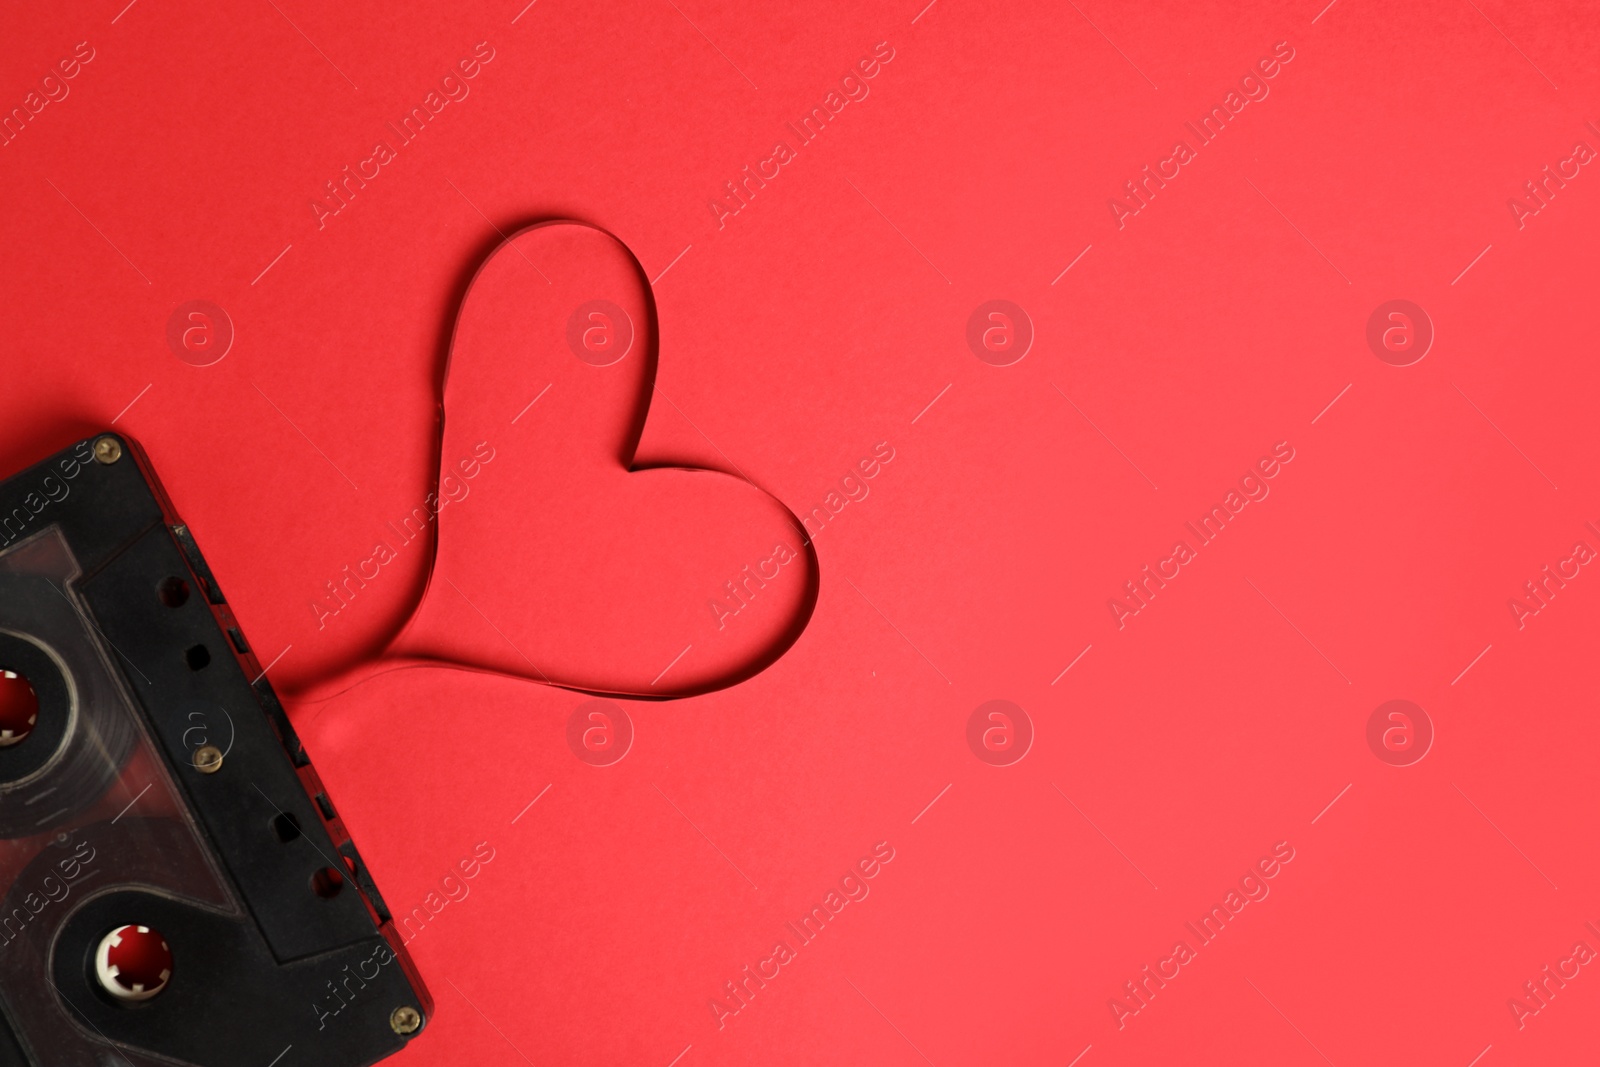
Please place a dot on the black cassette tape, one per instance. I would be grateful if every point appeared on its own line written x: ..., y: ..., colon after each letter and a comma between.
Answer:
x: 178, y: 886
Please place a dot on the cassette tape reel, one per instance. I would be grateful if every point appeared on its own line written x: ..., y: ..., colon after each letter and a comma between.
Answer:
x: 176, y: 886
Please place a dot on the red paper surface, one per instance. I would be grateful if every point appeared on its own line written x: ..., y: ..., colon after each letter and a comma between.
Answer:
x: 1224, y: 326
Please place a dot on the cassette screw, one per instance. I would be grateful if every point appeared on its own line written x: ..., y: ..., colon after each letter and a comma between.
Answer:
x: 108, y: 450
x: 208, y: 759
x: 405, y: 1020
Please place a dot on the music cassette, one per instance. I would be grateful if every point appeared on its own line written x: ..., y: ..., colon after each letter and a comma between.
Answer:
x: 178, y: 886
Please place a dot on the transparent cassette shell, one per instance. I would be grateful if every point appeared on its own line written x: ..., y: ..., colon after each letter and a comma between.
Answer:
x: 87, y: 804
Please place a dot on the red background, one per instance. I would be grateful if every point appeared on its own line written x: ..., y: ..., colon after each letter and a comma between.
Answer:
x: 818, y: 321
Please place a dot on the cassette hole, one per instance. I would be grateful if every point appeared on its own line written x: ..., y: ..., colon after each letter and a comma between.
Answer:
x: 19, y: 708
x: 198, y: 658
x: 286, y: 827
x: 133, y: 963
x: 174, y: 592
x: 327, y: 882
